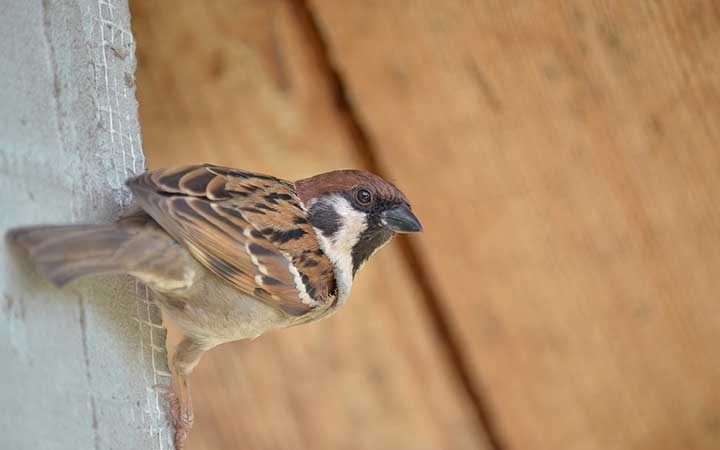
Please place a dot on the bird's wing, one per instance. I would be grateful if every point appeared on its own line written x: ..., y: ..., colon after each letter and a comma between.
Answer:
x: 246, y: 228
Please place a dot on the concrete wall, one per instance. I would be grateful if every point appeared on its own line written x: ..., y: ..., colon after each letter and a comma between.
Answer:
x: 78, y: 364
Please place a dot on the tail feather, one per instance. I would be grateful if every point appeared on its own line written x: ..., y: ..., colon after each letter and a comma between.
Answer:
x: 63, y: 253
x: 61, y: 273
x: 137, y: 246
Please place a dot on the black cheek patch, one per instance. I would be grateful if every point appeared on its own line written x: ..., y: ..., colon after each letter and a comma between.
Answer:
x: 324, y: 218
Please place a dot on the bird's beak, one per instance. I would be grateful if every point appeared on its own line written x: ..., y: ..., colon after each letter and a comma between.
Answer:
x: 400, y: 220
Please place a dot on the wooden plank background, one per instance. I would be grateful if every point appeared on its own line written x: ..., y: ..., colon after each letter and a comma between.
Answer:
x: 563, y: 157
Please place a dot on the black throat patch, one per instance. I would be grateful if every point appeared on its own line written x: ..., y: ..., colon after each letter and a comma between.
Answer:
x: 370, y: 240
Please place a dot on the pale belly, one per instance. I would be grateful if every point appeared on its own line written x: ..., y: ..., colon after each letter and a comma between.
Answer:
x: 215, y: 312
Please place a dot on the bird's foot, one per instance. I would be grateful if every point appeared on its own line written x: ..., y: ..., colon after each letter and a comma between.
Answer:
x: 182, y: 417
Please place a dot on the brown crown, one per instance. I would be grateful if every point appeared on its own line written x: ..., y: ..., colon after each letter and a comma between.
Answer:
x: 344, y: 181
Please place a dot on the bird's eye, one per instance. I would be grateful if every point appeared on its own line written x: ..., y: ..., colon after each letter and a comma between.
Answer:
x: 363, y: 196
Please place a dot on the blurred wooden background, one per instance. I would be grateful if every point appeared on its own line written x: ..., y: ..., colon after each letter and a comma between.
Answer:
x: 564, y: 158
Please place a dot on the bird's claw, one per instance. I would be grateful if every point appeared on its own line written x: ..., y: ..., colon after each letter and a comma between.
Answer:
x: 182, y: 418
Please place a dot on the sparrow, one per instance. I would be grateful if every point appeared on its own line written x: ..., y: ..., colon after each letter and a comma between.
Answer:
x: 230, y: 254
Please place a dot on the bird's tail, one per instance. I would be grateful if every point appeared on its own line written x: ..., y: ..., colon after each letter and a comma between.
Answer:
x: 63, y: 253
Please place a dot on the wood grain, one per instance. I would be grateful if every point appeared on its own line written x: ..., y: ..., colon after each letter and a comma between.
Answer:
x: 237, y: 83
x: 563, y: 157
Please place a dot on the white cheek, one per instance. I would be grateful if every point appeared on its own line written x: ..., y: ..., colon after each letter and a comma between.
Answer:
x: 353, y: 223
x: 339, y: 246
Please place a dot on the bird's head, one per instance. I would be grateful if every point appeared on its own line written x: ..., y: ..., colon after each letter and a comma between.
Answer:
x: 354, y: 214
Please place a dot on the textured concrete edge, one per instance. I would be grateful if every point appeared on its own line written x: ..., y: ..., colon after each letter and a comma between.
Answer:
x: 114, y: 65
x: 82, y: 362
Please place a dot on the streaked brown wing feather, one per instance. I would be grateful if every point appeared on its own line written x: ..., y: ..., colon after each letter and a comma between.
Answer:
x: 233, y: 222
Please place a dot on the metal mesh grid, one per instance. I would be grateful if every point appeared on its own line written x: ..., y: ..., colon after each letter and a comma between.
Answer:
x: 114, y: 80
x: 115, y: 65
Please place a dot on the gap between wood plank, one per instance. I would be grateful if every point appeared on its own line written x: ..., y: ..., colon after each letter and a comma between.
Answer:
x: 430, y: 296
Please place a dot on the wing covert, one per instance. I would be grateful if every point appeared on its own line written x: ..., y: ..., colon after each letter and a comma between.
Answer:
x: 247, y: 228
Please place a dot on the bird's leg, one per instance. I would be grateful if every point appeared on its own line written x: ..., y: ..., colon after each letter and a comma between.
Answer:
x: 186, y: 357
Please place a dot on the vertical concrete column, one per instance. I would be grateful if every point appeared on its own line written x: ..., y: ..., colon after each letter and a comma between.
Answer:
x: 77, y: 365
